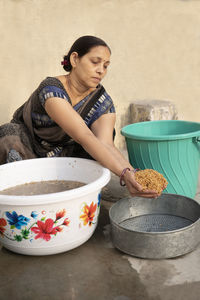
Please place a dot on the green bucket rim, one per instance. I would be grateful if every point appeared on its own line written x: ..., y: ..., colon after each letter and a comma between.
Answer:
x: 192, y: 134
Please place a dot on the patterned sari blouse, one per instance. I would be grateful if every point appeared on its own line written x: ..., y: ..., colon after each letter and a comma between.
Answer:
x: 52, y: 87
x: 47, y: 138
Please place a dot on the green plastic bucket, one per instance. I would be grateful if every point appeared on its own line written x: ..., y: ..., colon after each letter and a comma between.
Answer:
x: 171, y: 147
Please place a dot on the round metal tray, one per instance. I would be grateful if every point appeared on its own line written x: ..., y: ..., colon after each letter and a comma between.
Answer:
x: 166, y: 227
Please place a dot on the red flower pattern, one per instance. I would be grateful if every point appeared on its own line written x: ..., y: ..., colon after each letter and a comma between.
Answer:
x: 66, y: 222
x: 59, y: 229
x: 60, y: 214
x: 45, y: 229
x: 3, y: 223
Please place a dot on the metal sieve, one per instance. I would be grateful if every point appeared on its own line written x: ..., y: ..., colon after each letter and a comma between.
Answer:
x: 155, y: 223
x: 165, y: 227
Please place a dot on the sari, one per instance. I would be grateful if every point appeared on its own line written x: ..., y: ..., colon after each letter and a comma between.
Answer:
x: 32, y: 133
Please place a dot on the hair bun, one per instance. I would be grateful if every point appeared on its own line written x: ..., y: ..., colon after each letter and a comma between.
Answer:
x: 66, y: 63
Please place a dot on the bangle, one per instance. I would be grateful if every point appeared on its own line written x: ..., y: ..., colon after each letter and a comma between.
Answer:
x: 122, y: 175
x: 135, y: 170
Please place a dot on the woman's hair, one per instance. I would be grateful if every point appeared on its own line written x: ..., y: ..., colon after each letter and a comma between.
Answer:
x: 82, y: 46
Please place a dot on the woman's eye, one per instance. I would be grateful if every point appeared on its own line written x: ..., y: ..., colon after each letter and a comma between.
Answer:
x: 95, y: 62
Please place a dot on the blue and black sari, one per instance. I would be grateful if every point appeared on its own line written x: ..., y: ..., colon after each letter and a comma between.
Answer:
x: 32, y: 133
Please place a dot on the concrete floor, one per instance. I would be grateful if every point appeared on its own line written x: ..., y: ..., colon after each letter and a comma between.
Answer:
x: 96, y: 270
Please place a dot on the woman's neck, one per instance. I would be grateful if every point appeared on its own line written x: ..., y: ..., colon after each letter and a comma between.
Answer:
x: 75, y: 90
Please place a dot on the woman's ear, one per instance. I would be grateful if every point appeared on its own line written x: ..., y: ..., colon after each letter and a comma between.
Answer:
x: 73, y: 59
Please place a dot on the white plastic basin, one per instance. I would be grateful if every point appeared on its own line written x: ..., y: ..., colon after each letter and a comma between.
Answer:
x: 50, y: 223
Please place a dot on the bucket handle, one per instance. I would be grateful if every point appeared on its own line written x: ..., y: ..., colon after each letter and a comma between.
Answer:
x: 197, y: 139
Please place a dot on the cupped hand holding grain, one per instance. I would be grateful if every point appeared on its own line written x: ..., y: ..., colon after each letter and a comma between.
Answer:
x: 135, y: 189
x: 151, y: 180
x: 146, y: 183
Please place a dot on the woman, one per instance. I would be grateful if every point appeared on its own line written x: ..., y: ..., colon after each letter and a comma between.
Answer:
x: 71, y: 115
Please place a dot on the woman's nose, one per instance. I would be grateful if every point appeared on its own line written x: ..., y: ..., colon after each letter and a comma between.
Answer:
x: 100, y: 69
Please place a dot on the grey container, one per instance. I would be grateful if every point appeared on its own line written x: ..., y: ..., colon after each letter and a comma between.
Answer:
x: 166, y: 227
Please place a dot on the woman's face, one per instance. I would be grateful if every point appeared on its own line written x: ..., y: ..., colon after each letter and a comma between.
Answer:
x: 91, y: 68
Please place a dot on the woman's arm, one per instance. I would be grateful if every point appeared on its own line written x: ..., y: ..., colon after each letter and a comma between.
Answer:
x: 96, y: 144
x: 70, y: 121
x: 103, y: 129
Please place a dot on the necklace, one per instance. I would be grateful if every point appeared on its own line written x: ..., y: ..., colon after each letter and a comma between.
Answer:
x: 75, y: 96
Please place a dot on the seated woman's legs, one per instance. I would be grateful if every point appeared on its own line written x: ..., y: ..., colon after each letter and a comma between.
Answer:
x: 14, y: 143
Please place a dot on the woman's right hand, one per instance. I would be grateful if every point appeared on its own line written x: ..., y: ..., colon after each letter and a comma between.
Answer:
x: 135, y: 188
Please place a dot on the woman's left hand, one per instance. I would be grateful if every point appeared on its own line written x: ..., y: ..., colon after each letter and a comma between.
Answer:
x: 135, y: 188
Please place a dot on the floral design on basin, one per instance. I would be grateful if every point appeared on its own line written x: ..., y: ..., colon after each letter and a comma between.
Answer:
x: 17, y: 227
x: 3, y: 223
x: 24, y: 228
x: 89, y: 213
